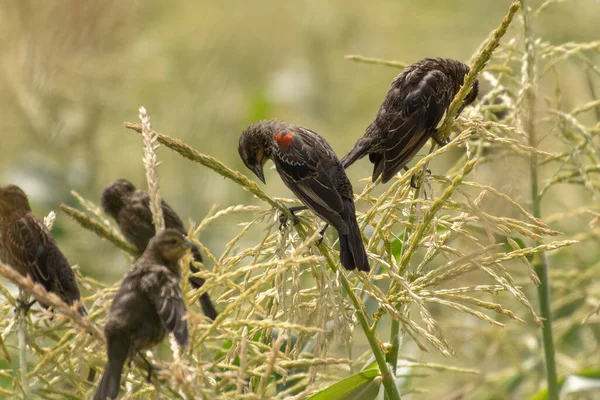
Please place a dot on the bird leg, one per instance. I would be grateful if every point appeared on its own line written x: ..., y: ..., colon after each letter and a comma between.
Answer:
x: 24, y: 305
x: 439, y: 141
x: 283, y: 219
x: 151, y: 367
x: 322, y: 233
x: 413, y: 179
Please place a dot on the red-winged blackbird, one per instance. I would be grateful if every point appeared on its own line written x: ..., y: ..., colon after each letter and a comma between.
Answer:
x: 27, y: 245
x: 410, y: 114
x: 312, y: 171
x: 131, y: 209
x: 147, y: 306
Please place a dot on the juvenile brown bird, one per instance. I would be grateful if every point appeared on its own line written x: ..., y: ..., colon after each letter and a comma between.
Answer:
x: 27, y: 245
x: 311, y: 170
x: 147, y: 306
x: 131, y: 210
x: 409, y: 115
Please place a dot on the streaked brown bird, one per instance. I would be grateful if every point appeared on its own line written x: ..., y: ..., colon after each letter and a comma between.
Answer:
x: 148, y: 305
x: 311, y: 170
x: 27, y: 245
x: 130, y: 208
x: 409, y: 115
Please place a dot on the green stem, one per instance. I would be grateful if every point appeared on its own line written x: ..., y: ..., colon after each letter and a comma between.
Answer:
x: 391, y: 390
x: 389, y: 384
x: 541, y: 266
x: 392, y: 355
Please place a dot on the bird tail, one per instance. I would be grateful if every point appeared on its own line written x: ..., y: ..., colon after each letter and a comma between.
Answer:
x: 360, y: 149
x: 111, y: 378
x: 208, y: 307
x: 357, y: 152
x: 352, y: 250
x: 205, y: 302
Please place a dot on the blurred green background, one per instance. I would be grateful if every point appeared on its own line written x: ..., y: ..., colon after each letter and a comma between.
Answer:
x: 73, y: 71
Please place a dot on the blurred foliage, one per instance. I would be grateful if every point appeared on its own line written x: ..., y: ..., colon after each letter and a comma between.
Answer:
x: 73, y: 71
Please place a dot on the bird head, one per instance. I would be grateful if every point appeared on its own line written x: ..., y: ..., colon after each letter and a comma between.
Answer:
x: 114, y: 194
x: 255, y: 147
x: 12, y: 198
x: 169, y: 245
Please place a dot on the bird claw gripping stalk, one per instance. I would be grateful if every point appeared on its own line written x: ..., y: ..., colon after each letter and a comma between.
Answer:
x: 25, y: 306
x: 283, y: 219
x: 150, y: 367
x: 440, y: 142
x: 415, y: 178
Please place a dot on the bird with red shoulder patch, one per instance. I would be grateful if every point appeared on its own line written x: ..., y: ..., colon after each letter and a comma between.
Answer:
x: 312, y: 171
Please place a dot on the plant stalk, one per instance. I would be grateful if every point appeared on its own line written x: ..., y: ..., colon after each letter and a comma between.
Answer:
x: 541, y: 266
x: 389, y: 383
x: 478, y: 63
x: 22, y: 339
x: 392, y: 355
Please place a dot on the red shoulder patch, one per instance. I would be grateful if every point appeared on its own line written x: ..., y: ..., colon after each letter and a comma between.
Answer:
x: 284, y: 138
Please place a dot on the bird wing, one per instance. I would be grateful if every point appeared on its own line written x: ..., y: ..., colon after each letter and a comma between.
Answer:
x: 164, y: 292
x: 419, y: 112
x: 135, y: 220
x: 31, y: 243
x: 300, y: 162
x: 26, y: 243
x: 172, y: 220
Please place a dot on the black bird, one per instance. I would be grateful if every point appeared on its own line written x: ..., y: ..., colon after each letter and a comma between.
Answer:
x: 311, y: 170
x: 147, y: 306
x: 131, y: 210
x: 27, y: 245
x: 410, y: 114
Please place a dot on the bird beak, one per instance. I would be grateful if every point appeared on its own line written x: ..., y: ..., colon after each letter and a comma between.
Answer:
x: 258, y: 170
x: 188, y: 244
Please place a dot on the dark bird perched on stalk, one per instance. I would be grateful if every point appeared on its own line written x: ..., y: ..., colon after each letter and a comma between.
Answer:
x: 27, y: 245
x: 311, y: 170
x: 410, y: 114
x: 147, y: 306
x: 131, y: 210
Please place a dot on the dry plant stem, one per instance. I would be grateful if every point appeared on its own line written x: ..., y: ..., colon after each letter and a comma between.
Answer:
x: 22, y: 338
x: 430, y: 214
x: 379, y: 61
x: 99, y: 229
x: 149, y: 139
x: 541, y: 266
x: 50, y: 299
x: 194, y: 155
x: 478, y: 62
